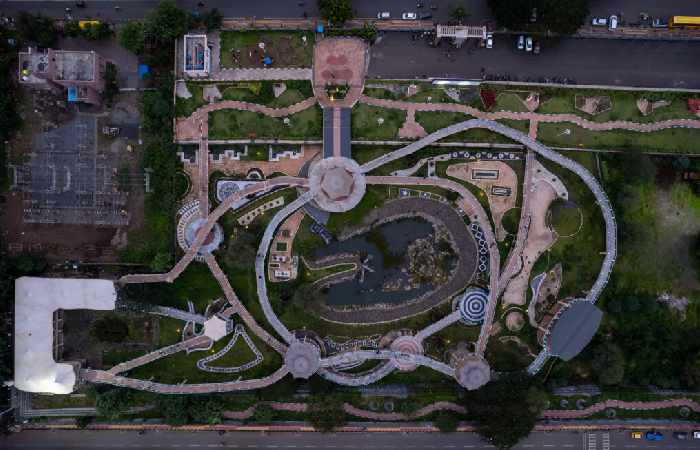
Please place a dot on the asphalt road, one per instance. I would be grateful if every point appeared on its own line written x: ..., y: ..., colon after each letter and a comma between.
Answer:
x: 478, y: 9
x: 388, y: 441
x: 588, y: 61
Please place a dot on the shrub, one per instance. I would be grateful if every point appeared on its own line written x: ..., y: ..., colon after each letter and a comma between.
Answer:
x: 110, y: 328
x: 446, y: 422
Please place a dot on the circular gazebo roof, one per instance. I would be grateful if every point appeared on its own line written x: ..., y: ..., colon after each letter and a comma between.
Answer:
x: 472, y: 372
x: 338, y: 183
x: 302, y: 359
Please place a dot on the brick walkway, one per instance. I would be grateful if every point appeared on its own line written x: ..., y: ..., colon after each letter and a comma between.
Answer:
x: 197, y: 341
x: 531, y: 116
x: 258, y: 74
x: 619, y: 404
x: 189, y: 128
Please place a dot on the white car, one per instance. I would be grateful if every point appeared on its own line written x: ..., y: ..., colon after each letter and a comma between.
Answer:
x: 521, y: 42
x: 613, y: 22
x: 528, y: 44
x: 383, y: 15
x: 408, y: 16
x: 696, y: 434
x: 489, y: 40
x: 599, y: 22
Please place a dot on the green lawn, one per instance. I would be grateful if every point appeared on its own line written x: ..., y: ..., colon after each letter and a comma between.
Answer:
x: 234, y: 124
x: 509, y: 101
x: 365, y: 126
x: 380, y: 93
x: 435, y: 120
x: 259, y: 92
x: 197, y: 285
x: 579, y: 255
x: 624, y: 105
x: 285, y: 47
x: 434, y: 95
x: 675, y: 140
x: 182, y: 366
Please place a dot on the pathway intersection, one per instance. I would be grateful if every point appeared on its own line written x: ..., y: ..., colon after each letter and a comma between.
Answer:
x: 337, y: 183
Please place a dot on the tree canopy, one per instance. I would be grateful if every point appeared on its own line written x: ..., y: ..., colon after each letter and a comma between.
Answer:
x: 132, y: 37
x: 336, y: 11
x: 505, y: 410
x: 167, y: 22
x: 609, y: 363
x: 558, y: 16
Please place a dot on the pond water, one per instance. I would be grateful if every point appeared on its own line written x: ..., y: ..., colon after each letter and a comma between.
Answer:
x: 386, y: 245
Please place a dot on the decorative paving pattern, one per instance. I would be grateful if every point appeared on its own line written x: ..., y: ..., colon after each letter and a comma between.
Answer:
x: 302, y: 359
x: 472, y: 306
x: 472, y: 372
x: 239, y: 331
x: 337, y: 183
x: 483, y: 247
x: 404, y: 346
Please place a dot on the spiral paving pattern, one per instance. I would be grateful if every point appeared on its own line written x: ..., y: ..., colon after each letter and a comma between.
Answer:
x: 472, y: 306
x: 408, y: 345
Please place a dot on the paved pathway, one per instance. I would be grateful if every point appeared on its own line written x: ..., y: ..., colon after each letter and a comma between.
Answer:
x: 178, y: 314
x: 276, y: 73
x: 189, y: 128
x: 101, y: 376
x: 476, y: 213
x: 203, y: 232
x: 263, y: 249
x: 619, y: 404
x: 194, y: 342
x: 203, y: 170
x: 533, y: 116
x: 238, y: 308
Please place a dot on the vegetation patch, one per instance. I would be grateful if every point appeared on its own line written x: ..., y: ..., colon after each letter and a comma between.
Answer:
x: 240, y: 49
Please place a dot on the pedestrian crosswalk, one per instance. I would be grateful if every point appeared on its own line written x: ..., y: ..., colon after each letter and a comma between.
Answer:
x: 591, y: 441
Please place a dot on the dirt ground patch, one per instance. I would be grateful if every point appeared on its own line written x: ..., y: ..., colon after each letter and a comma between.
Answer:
x: 240, y: 49
x: 546, y: 187
x: 501, y: 190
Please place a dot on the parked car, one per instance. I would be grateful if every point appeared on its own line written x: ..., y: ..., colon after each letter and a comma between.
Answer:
x: 425, y: 16
x: 384, y: 15
x: 636, y: 435
x: 420, y: 5
x: 489, y: 40
x: 682, y: 435
x: 521, y: 42
x: 536, y: 49
x: 613, y: 22
x: 80, y: 3
x: 528, y: 44
x: 599, y: 22
x: 696, y: 434
x: 533, y: 15
x: 653, y: 436
x: 659, y: 23
x: 433, y: 6
x: 408, y: 16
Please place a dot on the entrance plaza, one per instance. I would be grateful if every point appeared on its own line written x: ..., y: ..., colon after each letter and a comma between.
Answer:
x: 449, y: 280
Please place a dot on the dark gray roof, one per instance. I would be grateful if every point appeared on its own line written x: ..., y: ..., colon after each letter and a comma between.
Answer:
x: 574, y: 329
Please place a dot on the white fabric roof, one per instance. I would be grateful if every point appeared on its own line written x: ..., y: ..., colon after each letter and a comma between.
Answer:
x: 215, y: 328
x: 36, y: 299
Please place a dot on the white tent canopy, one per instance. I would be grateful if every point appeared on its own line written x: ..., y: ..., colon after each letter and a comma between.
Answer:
x: 36, y: 299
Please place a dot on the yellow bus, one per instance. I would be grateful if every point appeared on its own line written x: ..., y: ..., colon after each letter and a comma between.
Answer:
x: 83, y: 24
x: 684, y: 22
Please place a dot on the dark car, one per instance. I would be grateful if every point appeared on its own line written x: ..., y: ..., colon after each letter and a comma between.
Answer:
x: 80, y: 3
x: 425, y: 16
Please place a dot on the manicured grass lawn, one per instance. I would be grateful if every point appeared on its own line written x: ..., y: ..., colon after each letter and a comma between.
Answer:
x: 380, y: 93
x: 675, y: 140
x: 259, y: 92
x: 197, y: 285
x: 365, y: 153
x: 286, y: 48
x: 505, y: 356
x: 182, y: 366
x: 234, y: 124
x: 624, y: 105
x: 365, y: 126
x: 435, y: 120
x: 509, y: 101
x: 435, y: 95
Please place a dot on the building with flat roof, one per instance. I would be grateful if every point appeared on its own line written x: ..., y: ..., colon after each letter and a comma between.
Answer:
x: 79, y: 73
x: 196, y: 56
x: 36, y: 302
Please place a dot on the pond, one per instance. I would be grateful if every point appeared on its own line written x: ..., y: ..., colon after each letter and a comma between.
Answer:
x: 385, y: 248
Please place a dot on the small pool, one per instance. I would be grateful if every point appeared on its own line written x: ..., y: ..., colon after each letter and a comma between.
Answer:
x: 386, y: 246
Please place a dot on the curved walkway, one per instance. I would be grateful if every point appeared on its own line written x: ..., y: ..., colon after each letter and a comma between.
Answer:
x: 263, y: 249
x: 476, y: 213
x: 532, y: 116
x: 188, y: 128
x: 620, y: 404
x: 101, y: 376
x: 203, y: 232
x: 349, y: 379
x: 578, y: 169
